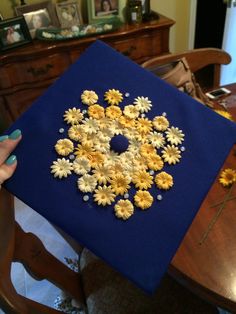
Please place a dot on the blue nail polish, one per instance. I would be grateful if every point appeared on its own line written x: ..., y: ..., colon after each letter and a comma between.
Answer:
x: 15, y: 134
x: 10, y: 160
x: 3, y: 138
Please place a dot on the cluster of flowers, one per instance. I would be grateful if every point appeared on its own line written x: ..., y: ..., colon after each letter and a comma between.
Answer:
x: 108, y: 174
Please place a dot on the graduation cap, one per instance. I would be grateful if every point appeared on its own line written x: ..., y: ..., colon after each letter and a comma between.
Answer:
x: 167, y: 148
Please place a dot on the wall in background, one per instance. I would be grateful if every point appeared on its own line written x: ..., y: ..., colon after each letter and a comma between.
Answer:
x: 178, y: 10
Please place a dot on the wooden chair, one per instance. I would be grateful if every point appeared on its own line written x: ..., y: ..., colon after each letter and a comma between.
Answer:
x: 197, y: 60
x: 97, y: 287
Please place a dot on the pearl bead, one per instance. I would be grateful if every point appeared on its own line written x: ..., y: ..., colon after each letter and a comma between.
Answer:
x: 86, y: 198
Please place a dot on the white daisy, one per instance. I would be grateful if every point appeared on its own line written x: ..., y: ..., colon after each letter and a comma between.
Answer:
x: 81, y: 165
x: 174, y: 135
x: 116, y: 127
x: 87, y: 183
x: 156, y: 139
x: 61, y: 168
x: 143, y: 104
x: 130, y: 133
x: 111, y: 157
x: 90, y: 125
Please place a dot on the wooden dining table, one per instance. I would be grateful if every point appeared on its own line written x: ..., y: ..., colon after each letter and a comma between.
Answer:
x: 206, y: 260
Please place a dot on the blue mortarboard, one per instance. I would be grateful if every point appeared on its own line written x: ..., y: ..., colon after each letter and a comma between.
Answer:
x: 141, y: 247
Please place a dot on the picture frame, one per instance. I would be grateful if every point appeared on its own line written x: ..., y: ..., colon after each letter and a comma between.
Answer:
x: 14, y: 33
x: 102, y: 10
x: 38, y: 15
x: 69, y: 13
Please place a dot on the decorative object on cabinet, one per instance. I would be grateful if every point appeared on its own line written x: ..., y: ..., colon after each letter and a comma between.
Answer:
x: 147, y: 13
x: 28, y: 71
x: 13, y: 33
x: 38, y: 15
x: 79, y: 31
x: 100, y: 10
x: 1, y: 17
x: 134, y: 11
x: 69, y: 13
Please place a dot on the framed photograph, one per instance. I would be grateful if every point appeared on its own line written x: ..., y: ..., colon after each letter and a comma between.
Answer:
x: 100, y: 10
x: 69, y: 13
x: 38, y: 15
x: 14, y: 33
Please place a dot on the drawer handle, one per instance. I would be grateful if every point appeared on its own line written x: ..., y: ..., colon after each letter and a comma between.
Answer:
x: 129, y: 51
x: 40, y: 71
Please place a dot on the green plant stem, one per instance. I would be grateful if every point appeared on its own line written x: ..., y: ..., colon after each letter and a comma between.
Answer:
x: 216, y: 216
x: 218, y: 204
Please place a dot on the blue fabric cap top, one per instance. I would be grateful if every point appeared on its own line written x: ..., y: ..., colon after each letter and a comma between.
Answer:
x: 141, y: 247
x: 119, y: 143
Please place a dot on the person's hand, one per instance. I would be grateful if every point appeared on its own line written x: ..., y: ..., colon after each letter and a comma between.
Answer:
x: 8, y: 162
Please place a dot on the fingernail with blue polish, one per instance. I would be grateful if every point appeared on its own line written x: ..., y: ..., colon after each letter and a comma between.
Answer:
x: 3, y: 138
x: 10, y: 160
x: 15, y: 134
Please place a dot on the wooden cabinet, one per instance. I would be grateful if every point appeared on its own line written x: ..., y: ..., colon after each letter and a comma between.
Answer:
x: 28, y: 70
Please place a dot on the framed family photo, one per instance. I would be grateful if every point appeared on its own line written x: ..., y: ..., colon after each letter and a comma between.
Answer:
x: 100, y: 10
x: 38, y: 15
x: 69, y: 13
x: 13, y: 33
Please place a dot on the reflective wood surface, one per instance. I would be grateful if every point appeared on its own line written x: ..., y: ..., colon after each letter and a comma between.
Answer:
x: 206, y: 259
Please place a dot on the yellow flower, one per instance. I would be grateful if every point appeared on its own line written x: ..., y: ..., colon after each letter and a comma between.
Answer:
x: 142, y: 180
x: 89, y: 97
x: 64, y: 147
x: 61, y: 168
x: 227, y: 177
x: 224, y: 114
x: 75, y: 132
x: 131, y: 111
x: 96, y: 159
x: 140, y: 163
x: 164, y: 180
x: 155, y: 162
x: 174, y: 135
x: 73, y: 116
x: 102, y: 173
x: 113, y: 97
x: 116, y: 168
x: 83, y: 150
x: 96, y: 111
x: 113, y: 112
x: 103, y: 195
x: 160, y: 123
x: 120, y: 184
x: 143, y: 125
x: 124, y: 209
x: 171, y: 154
x: 126, y: 122
x: 147, y: 150
x: 143, y: 199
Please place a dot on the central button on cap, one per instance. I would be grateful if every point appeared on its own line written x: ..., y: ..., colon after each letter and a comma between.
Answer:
x: 119, y: 144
